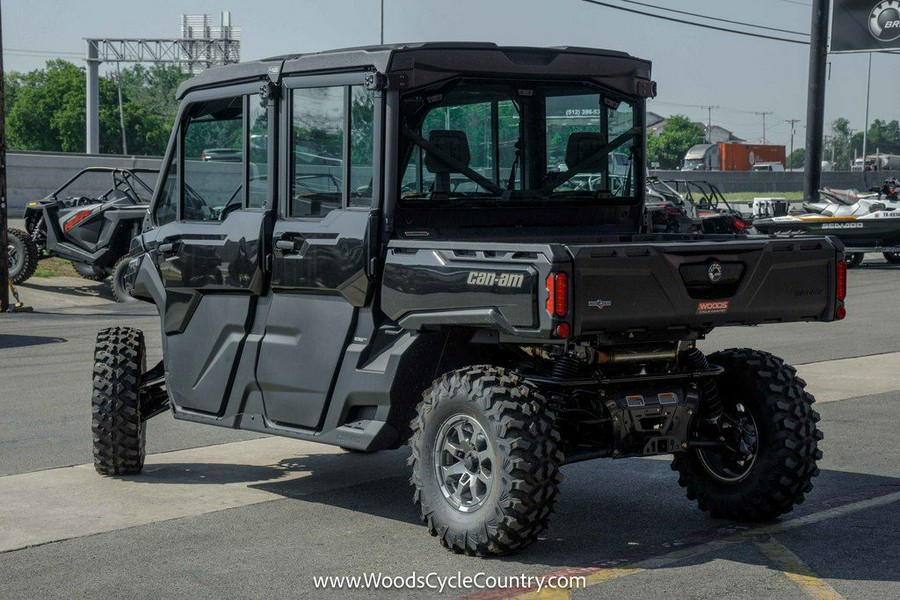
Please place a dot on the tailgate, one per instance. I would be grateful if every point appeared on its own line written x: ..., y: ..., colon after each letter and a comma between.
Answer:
x: 666, y: 286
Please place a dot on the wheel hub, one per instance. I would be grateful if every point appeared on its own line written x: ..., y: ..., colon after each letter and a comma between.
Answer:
x: 464, y: 460
x: 12, y: 255
x: 740, y: 444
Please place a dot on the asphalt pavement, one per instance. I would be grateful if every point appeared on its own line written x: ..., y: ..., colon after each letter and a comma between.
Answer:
x: 225, y: 514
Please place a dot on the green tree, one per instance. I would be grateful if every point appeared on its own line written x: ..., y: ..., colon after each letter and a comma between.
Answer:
x: 46, y: 108
x: 797, y: 160
x: 669, y: 147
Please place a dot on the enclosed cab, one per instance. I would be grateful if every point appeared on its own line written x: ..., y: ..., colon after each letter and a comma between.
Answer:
x: 444, y: 245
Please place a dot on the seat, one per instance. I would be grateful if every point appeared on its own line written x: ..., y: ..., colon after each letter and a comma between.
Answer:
x: 452, y: 143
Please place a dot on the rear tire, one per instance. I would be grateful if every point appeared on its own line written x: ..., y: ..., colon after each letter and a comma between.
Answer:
x: 854, y: 259
x: 90, y: 272
x: 485, y: 461
x: 23, y: 256
x: 117, y: 281
x: 784, y: 461
x: 119, y: 431
x: 892, y: 257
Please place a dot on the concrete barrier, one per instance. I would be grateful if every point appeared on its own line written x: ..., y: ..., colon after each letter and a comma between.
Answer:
x: 34, y: 175
x: 774, y: 183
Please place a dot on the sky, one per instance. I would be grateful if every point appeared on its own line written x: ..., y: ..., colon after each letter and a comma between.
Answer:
x: 693, y: 67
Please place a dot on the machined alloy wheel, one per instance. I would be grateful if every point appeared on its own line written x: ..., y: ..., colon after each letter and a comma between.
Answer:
x: 464, y: 460
x: 485, y: 461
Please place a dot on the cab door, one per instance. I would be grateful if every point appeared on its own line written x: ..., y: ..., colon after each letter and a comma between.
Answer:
x: 323, y: 242
x: 211, y: 220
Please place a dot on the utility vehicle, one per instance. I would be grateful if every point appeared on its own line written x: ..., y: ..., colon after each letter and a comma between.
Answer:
x: 502, y: 329
x: 92, y: 230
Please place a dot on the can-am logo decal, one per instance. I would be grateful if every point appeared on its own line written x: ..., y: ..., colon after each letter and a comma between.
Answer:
x: 715, y: 272
x: 884, y: 21
x: 488, y: 279
x: 599, y: 304
x: 842, y: 225
x: 712, y: 308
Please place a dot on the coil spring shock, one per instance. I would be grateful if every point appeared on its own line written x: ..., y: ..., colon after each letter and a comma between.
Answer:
x: 709, y: 391
x: 566, y: 367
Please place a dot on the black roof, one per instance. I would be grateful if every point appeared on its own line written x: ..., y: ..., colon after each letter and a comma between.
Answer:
x: 426, y: 62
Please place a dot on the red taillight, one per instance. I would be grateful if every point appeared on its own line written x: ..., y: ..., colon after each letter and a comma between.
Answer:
x: 80, y: 216
x: 557, y: 295
x: 841, y: 284
x: 551, y: 295
x: 561, y: 292
x: 563, y: 330
x: 840, y: 313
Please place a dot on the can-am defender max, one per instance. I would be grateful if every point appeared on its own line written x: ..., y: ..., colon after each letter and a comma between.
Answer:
x: 337, y: 285
x: 92, y: 231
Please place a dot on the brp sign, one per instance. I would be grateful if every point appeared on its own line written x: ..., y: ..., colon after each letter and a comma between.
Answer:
x: 884, y: 21
x: 865, y: 25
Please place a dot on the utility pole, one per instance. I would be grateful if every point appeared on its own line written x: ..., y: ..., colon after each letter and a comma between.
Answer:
x: 793, y: 123
x: 763, y: 114
x: 709, y: 110
x: 382, y: 22
x: 850, y: 151
x: 4, y: 225
x: 815, y: 112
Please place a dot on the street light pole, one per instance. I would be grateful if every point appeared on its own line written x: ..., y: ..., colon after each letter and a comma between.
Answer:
x: 866, y: 130
x: 815, y: 115
x: 4, y: 224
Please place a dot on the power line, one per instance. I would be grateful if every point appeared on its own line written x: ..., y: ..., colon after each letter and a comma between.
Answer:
x: 684, y: 12
x: 703, y: 25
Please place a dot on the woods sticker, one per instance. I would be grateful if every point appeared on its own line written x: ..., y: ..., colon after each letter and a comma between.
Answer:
x: 712, y: 308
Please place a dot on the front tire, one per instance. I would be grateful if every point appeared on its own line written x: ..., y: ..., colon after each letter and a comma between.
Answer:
x: 22, y: 255
x: 778, y: 422
x: 117, y: 281
x: 892, y: 257
x: 119, y: 431
x: 485, y: 461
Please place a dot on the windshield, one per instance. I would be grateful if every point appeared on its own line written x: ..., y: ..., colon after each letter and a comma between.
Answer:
x: 485, y: 142
x: 693, y: 164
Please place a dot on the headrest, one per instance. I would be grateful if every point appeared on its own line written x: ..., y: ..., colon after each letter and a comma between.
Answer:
x: 451, y: 142
x: 581, y: 145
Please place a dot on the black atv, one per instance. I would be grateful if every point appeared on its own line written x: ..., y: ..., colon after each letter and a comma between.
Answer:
x: 502, y: 328
x: 92, y: 231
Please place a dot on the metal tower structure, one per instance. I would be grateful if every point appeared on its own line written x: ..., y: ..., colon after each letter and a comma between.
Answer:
x: 201, y: 45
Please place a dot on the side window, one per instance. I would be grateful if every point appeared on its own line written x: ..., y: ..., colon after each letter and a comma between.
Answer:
x: 362, y: 140
x: 165, y: 211
x: 213, y: 151
x: 317, y: 150
x: 332, y: 143
x: 257, y: 171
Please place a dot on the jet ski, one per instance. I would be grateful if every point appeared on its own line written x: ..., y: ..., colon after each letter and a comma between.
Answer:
x: 864, y: 223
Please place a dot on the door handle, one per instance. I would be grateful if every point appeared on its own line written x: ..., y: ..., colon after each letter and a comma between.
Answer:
x: 166, y: 248
x: 287, y: 245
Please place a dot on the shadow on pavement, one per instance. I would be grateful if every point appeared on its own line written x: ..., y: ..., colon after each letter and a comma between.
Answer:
x: 24, y: 341
x: 85, y: 290
x: 620, y: 512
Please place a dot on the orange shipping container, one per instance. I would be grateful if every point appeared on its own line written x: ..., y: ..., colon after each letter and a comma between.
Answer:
x: 741, y: 157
